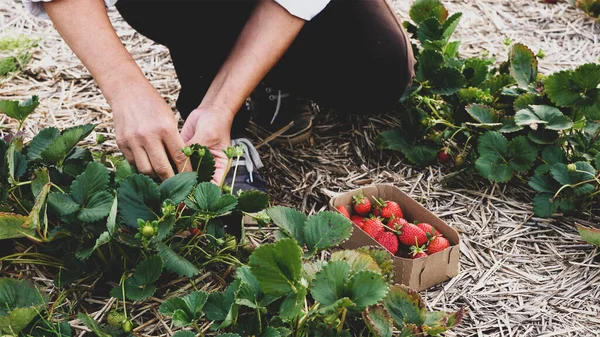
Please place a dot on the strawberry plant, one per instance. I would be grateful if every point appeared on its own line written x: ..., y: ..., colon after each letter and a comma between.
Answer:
x: 286, y: 290
x: 20, y: 303
x: 503, y: 121
x: 591, y: 7
x: 101, y: 218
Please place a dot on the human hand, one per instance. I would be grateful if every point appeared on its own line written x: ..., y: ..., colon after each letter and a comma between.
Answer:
x: 211, y: 128
x: 147, y: 133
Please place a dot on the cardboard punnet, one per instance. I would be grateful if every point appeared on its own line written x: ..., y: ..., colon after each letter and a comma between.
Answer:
x: 420, y: 273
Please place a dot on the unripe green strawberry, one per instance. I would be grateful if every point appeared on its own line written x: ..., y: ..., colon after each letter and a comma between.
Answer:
x: 115, y: 318
x: 572, y: 167
x: 127, y: 326
x: 147, y: 231
x: 459, y: 160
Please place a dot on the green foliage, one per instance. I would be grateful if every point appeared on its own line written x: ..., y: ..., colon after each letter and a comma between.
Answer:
x: 19, y: 110
x: 317, y: 232
x: 185, y: 310
x: 497, y: 120
x: 269, y: 296
x: 20, y: 303
x: 591, y: 7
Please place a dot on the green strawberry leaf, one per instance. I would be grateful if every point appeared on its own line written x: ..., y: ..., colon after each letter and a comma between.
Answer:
x: 182, y: 333
x: 293, y: 303
x: 447, y: 81
x: 40, y: 142
x: 525, y: 100
x: 252, y: 201
x: 405, y: 305
x: 578, y: 88
x: 420, y: 154
x: 522, y: 154
x: 165, y: 227
x: 190, y: 308
x: 543, y: 116
x: 590, y: 235
x: 382, y: 257
x: 20, y: 303
x: 366, y: 288
x: 97, y: 208
x: 543, y: 206
x: 56, y: 152
x: 123, y: 171
x: 290, y: 222
x: 40, y: 180
x: 576, y: 180
x: 325, y: 230
x: 482, y: 113
x: 11, y: 227
x: 221, y: 308
x: 509, y: 125
x: 497, y: 83
x: 429, y: 62
x: 63, y: 203
x: 103, y: 239
x: 203, y: 162
x: 543, y: 184
x: 92, y: 325
x: 138, y: 292
x: 178, y: 187
x: 543, y: 136
x: 379, y: 321
x: 176, y: 263
x: 95, y: 179
x: 424, y: 9
x: 553, y: 154
x: 357, y: 260
x: 148, y: 271
x: 476, y: 71
x: 328, y: 286
x: 523, y: 65
x: 277, y: 267
x: 139, y: 198
x: 437, y: 322
x: 19, y: 111
x: 209, y: 199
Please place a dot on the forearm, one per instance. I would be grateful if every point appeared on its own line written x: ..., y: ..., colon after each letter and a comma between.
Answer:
x: 86, y: 28
x: 266, y: 36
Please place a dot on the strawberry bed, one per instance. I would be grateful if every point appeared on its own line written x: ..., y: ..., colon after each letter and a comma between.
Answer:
x: 500, y: 235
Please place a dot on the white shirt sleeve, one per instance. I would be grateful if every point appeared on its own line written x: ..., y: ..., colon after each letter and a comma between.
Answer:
x: 36, y: 7
x: 304, y: 9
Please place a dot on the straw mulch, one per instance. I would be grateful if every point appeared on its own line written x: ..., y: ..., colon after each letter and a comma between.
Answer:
x: 520, y: 275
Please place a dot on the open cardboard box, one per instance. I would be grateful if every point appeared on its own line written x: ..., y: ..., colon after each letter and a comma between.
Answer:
x: 420, y: 273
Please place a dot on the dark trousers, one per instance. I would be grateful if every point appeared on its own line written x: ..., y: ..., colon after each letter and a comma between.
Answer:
x: 353, y: 56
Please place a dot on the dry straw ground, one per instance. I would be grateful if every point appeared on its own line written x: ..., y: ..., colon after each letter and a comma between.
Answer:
x: 521, y: 276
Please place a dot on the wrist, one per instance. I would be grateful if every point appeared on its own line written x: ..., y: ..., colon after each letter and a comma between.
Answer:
x: 124, y: 81
x: 223, y: 112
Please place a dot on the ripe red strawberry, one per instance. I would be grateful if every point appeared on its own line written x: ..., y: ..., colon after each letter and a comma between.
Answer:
x: 387, y: 209
x: 389, y: 241
x: 373, y: 227
x: 344, y: 211
x: 195, y: 231
x: 417, y: 252
x: 443, y: 156
x: 437, y: 245
x: 358, y: 220
x: 550, y: 1
x: 429, y: 230
x: 396, y: 223
x: 411, y: 234
x: 362, y: 204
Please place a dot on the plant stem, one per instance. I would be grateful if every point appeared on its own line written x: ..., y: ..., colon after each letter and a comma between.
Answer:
x: 343, y: 319
x: 571, y: 185
x: 227, y: 168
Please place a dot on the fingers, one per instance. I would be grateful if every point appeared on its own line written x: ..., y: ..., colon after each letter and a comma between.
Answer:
x: 160, y: 161
x: 141, y: 162
x: 174, y: 145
